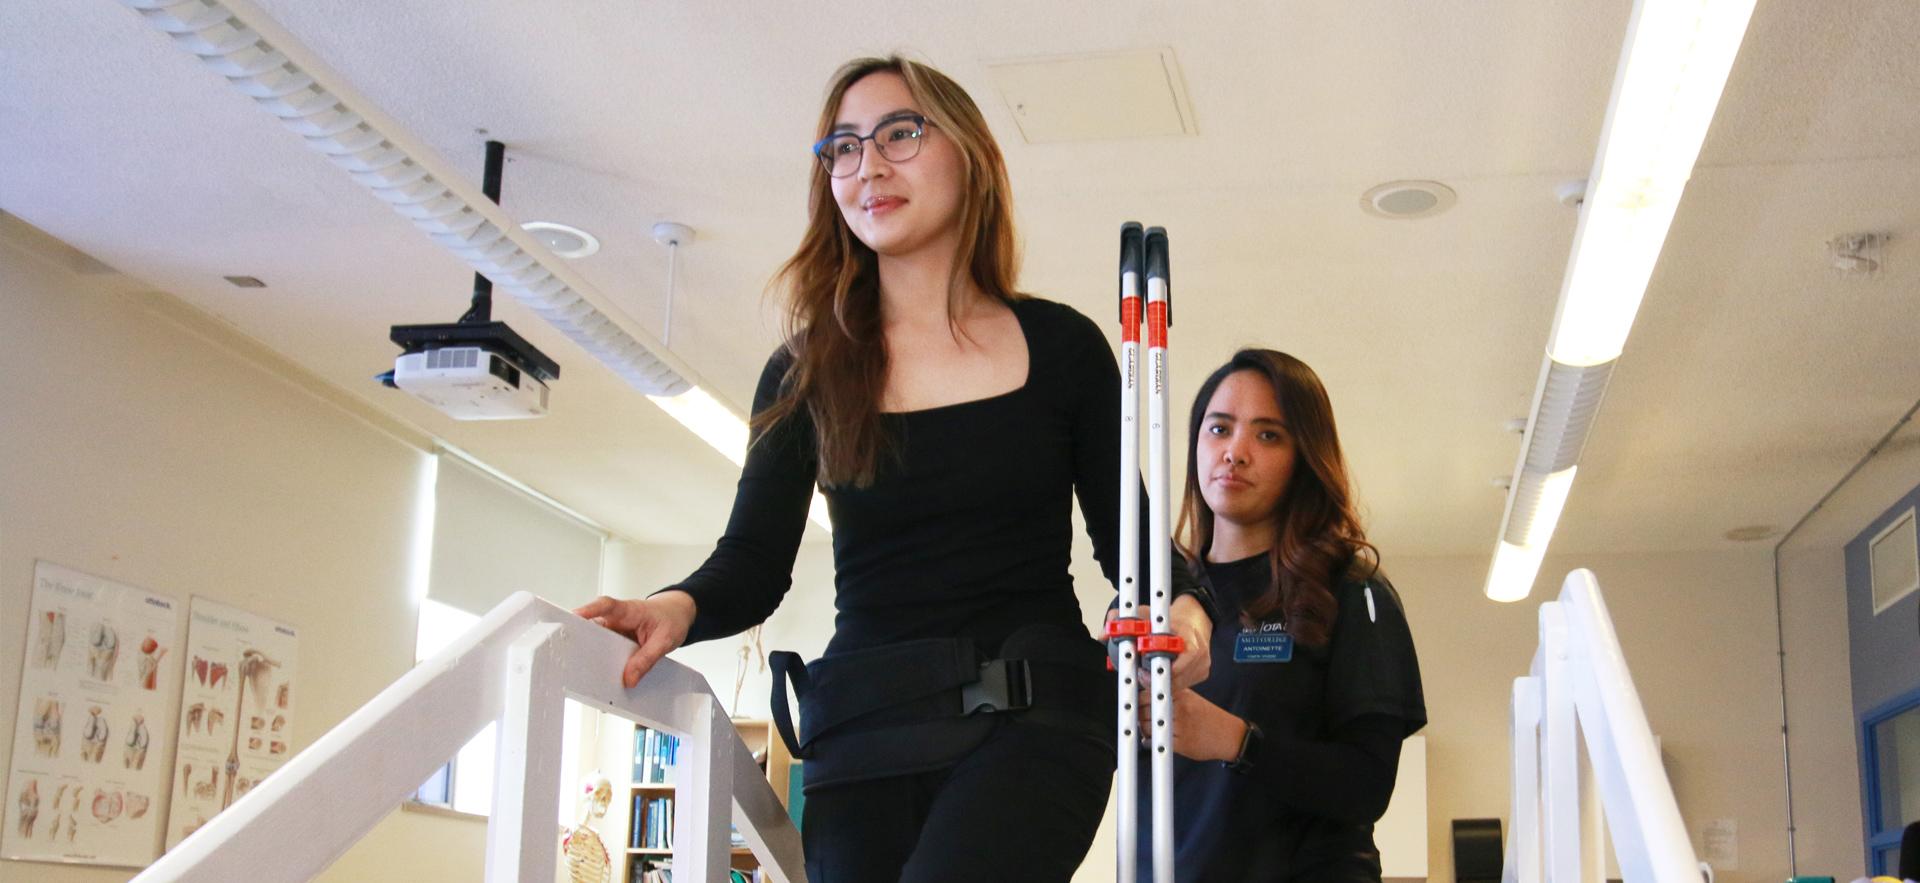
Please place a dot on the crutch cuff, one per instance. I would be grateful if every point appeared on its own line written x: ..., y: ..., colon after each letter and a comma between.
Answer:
x: 1161, y: 645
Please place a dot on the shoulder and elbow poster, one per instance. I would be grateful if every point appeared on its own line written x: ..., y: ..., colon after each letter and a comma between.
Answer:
x: 236, y: 711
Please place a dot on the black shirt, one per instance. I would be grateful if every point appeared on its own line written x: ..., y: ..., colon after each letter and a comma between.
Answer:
x: 1333, y: 719
x: 967, y: 529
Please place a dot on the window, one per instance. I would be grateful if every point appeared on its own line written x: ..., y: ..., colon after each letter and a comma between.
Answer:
x: 489, y: 539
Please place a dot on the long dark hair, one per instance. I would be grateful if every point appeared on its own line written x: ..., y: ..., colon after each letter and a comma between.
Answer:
x: 1319, y: 538
x: 832, y: 282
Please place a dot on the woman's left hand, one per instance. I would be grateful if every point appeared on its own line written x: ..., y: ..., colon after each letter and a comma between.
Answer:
x: 1195, y: 628
x: 1201, y: 729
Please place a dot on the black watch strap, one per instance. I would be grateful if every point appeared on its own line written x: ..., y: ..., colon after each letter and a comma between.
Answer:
x: 1250, y: 743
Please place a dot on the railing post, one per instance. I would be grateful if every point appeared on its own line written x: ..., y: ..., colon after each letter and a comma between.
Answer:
x: 1523, y: 842
x: 1560, y: 744
x: 525, y: 825
x: 702, y: 798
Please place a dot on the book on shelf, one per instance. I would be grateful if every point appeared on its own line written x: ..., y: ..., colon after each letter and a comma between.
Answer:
x: 654, y: 756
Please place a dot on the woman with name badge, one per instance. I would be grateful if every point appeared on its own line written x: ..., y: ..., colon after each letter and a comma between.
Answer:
x: 1287, y: 752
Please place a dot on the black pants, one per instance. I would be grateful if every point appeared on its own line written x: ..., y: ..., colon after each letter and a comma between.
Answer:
x: 1023, y: 806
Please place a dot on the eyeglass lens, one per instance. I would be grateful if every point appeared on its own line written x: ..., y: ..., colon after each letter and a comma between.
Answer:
x: 898, y: 140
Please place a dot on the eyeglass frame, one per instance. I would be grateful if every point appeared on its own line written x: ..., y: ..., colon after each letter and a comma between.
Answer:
x: 827, y: 162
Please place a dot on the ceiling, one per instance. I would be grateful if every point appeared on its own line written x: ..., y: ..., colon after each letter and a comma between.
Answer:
x: 1755, y: 376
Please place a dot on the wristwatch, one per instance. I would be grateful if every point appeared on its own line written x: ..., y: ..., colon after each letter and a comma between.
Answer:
x: 1250, y: 743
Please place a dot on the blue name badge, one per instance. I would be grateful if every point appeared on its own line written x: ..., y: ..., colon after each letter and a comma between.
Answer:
x: 1260, y: 646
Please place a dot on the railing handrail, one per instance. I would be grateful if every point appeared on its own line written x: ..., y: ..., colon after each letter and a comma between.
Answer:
x: 1579, y: 690
x: 515, y: 666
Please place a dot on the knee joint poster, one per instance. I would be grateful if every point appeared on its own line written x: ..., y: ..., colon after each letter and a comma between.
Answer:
x: 87, y: 783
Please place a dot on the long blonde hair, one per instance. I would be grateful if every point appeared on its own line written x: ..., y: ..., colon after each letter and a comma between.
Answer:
x: 832, y: 283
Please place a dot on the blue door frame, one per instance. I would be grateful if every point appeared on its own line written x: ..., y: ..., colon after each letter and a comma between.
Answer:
x: 1881, y: 833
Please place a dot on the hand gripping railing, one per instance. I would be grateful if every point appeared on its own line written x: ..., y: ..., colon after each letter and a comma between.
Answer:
x: 1579, y: 679
x: 516, y: 667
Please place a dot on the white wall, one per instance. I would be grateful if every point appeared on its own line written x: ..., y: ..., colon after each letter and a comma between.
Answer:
x: 1698, y: 633
x: 144, y: 444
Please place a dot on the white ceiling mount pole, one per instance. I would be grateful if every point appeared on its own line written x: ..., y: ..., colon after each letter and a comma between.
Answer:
x: 672, y: 235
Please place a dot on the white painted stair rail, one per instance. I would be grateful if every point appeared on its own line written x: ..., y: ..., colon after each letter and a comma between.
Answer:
x: 516, y: 666
x: 1577, y: 693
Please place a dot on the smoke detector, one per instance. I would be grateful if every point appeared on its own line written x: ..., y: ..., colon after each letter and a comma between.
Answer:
x: 1407, y: 200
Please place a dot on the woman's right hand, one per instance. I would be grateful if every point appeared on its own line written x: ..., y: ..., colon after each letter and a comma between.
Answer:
x: 658, y: 624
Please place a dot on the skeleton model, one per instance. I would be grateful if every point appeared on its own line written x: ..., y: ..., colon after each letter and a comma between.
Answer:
x: 103, y: 650
x: 53, y: 637
x: 93, y: 739
x: 46, y: 727
x: 29, y: 807
x: 137, y: 739
x: 150, y: 653
x: 586, y: 855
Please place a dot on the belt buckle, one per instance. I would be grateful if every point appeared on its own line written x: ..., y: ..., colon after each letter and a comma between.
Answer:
x: 1004, y: 685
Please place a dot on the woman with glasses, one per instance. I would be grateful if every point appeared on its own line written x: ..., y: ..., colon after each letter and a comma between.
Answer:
x: 960, y: 725
x: 1288, y: 751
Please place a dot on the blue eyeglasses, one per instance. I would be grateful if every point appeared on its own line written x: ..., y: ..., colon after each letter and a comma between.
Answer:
x: 898, y: 139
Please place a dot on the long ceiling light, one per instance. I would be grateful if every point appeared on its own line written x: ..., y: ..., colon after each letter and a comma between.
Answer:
x: 259, y: 58
x: 1672, y: 71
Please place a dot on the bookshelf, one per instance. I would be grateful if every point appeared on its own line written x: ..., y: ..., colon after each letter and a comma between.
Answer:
x: 649, y: 843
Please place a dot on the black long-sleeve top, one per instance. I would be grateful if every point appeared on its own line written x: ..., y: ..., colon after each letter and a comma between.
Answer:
x: 1333, y: 719
x: 967, y: 529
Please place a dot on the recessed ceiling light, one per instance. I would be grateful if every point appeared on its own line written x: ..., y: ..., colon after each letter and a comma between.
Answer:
x: 1406, y: 200
x: 245, y: 281
x: 562, y: 240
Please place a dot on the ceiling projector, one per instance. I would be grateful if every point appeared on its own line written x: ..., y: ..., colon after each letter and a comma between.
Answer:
x: 476, y: 368
x: 472, y: 371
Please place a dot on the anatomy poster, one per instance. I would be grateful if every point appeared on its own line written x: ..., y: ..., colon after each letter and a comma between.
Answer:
x: 90, y: 747
x: 236, y: 711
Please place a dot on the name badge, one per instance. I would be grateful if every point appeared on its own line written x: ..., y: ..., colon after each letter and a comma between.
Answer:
x: 1263, y: 646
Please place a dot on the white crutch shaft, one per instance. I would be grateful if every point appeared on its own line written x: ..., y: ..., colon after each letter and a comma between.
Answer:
x: 1160, y: 578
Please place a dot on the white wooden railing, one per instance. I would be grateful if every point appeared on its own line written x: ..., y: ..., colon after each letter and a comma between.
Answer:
x: 515, y: 667
x: 1579, y: 692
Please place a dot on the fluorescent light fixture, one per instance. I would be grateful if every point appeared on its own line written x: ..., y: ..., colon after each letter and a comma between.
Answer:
x: 1671, y: 74
x: 714, y: 423
x: 1666, y: 88
x: 1515, y: 566
x: 718, y: 426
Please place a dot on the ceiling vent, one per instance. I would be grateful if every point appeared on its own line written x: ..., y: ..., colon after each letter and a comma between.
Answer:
x: 1095, y: 97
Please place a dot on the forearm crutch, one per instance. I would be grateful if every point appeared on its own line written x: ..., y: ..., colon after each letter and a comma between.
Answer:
x: 1143, y: 257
